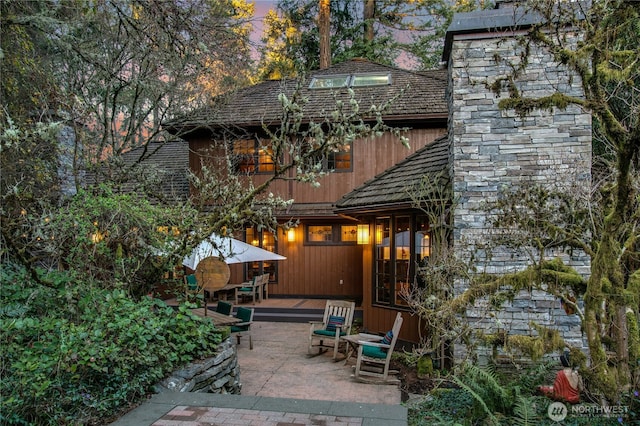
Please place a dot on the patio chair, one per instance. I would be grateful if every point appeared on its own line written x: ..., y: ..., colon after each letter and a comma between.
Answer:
x: 252, y: 289
x: 265, y: 287
x: 192, y: 288
x: 243, y: 328
x: 336, y: 322
x: 224, y: 308
x: 374, y: 357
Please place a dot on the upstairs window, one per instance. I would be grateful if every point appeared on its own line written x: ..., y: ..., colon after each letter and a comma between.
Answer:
x: 340, y: 160
x: 250, y: 157
x: 335, y: 161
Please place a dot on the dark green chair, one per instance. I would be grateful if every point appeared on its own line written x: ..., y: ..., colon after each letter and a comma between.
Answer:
x: 191, y: 282
x: 193, y: 291
x: 243, y: 327
x: 224, y: 308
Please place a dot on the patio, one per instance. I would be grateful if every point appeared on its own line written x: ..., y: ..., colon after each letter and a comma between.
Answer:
x: 278, y: 366
x: 281, y: 383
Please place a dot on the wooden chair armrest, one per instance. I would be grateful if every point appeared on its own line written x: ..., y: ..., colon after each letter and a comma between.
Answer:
x: 375, y: 344
x: 371, y: 336
x: 315, y: 325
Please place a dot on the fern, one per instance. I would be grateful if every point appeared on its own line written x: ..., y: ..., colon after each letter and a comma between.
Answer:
x: 484, y: 382
x: 491, y: 417
x: 537, y: 375
x: 524, y: 412
x: 13, y: 310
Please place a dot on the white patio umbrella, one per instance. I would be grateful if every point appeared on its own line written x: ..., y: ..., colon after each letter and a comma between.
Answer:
x: 230, y: 250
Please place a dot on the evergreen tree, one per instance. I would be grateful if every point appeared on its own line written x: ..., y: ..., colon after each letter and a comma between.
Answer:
x: 394, y: 32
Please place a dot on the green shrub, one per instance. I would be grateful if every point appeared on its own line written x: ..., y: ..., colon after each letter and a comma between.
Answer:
x: 81, y: 365
x: 444, y: 407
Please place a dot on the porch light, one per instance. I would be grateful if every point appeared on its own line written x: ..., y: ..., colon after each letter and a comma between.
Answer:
x: 363, y: 234
x: 291, y: 235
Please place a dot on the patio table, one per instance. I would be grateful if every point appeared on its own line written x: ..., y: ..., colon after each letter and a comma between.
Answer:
x: 223, y: 292
x: 352, y: 342
x: 219, y: 319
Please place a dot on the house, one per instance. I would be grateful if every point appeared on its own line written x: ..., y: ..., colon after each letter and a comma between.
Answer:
x: 486, y: 149
x: 458, y: 135
x: 324, y: 259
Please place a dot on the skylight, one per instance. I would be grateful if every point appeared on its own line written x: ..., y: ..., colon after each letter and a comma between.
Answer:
x: 373, y: 79
x: 329, y: 82
x: 353, y: 80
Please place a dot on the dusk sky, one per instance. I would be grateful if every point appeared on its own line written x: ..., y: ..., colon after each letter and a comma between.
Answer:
x: 262, y: 7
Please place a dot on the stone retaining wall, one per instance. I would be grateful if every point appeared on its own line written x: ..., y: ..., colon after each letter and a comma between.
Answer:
x: 218, y: 374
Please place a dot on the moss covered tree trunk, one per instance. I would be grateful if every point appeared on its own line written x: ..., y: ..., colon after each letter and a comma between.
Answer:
x: 608, y: 285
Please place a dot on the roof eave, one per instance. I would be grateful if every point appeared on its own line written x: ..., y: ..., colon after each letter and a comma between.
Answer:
x: 188, y: 129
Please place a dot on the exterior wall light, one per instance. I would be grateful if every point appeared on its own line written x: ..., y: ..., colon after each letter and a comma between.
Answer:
x: 363, y: 234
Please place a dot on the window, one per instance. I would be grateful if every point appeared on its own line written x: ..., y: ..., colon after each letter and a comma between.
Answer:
x: 340, y: 160
x: 401, y: 244
x: 353, y: 80
x: 329, y: 82
x: 373, y: 79
x: 319, y: 233
x: 267, y: 241
x: 250, y: 157
x: 331, y: 234
x: 335, y: 161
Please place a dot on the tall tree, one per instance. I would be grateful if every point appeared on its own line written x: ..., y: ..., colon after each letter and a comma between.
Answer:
x: 101, y: 76
x: 395, y: 32
x: 324, y: 21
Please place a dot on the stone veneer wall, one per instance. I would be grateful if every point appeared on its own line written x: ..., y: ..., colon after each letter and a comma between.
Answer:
x: 494, y: 149
x: 217, y: 374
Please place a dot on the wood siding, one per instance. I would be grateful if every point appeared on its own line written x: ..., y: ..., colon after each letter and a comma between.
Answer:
x: 369, y: 158
x: 317, y: 270
x: 314, y: 271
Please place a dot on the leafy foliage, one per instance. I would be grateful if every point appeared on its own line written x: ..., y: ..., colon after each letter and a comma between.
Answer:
x: 448, y: 406
x: 82, y: 365
x: 117, y: 240
x: 388, y: 31
x: 481, y: 396
x: 86, y: 81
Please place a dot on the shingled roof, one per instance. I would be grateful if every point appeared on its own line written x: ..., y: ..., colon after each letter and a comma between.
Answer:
x: 168, y: 160
x: 423, y: 98
x: 390, y: 188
